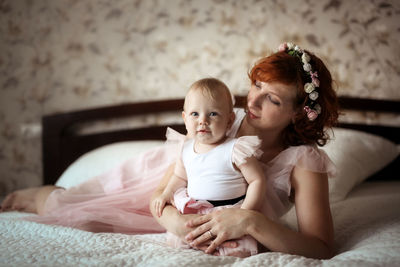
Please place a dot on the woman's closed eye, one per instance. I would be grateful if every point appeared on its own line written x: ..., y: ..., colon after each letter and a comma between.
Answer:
x: 273, y: 100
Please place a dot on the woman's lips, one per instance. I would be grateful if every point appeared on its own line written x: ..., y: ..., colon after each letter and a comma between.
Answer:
x: 251, y: 115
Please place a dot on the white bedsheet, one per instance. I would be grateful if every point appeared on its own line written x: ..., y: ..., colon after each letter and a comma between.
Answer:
x: 367, y: 228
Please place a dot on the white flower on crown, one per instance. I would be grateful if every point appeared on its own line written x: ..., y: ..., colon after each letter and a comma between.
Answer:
x: 307, y: 67
x: 297, y: 48
x: 290, y: 46
x: 313, y: 95
x: 317, y: 108
x: 305, y: 58
x: 309, y: 87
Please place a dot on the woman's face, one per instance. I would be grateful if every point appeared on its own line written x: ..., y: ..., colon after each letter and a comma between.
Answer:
x: 270, y: 105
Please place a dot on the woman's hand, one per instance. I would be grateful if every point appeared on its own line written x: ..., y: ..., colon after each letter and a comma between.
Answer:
x: 223, y: 225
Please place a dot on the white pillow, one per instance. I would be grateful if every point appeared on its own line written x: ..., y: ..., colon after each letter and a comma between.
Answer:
x: 102, y: 159
x: 357, y: 155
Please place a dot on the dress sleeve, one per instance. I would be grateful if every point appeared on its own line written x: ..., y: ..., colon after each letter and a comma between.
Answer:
x: 174, y: 136
x: 313, y: 159
x: 306, y: 157
x: 246, y: 147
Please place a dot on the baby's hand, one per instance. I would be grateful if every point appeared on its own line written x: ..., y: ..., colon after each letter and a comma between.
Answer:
x: 159, y: 204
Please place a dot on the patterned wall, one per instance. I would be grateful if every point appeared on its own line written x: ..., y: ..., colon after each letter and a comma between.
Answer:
x: 62, y: 55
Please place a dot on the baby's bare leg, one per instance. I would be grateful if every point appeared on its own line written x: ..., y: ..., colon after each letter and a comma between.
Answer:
x: 28, y: 200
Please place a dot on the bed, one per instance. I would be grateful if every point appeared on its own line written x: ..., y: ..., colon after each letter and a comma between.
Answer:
x: 365, y: 195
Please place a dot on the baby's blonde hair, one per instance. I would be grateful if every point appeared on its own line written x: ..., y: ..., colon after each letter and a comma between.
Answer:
x: 213, y: 88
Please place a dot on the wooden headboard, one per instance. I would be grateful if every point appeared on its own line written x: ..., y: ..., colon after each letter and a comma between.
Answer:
x: 62, y: 144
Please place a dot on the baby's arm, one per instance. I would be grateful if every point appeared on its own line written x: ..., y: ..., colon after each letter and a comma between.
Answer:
x: 168, y: 193
x: 254, y: 175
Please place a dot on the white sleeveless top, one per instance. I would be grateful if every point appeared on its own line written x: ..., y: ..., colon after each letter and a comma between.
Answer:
x: 212, y: 175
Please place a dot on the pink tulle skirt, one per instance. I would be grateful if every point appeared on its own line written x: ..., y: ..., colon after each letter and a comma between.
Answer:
x: 116, y: 201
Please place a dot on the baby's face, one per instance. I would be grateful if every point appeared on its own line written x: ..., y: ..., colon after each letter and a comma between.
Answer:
x: 207, y: 119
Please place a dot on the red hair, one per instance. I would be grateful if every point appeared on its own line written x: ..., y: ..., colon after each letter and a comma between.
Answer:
x: 284, y: 68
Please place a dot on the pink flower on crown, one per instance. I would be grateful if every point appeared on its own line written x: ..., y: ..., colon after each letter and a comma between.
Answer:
x: 282, y: 47
x: 314, y: 74
x: 315, y: 81
x: 312, y: 115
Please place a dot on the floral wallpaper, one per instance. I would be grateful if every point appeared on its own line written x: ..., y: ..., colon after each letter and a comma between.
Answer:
x: 63, y: 55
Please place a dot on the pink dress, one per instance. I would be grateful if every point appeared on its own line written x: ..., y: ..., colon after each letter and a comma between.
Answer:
x: 118, y: 200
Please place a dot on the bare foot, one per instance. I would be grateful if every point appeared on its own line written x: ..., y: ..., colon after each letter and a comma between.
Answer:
x: 21, y: 200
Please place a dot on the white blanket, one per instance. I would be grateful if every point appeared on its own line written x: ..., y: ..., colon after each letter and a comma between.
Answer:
x: 367, y: 229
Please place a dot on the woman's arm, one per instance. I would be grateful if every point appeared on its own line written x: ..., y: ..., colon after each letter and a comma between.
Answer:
x: 314, y: 238
x: 256, y: 189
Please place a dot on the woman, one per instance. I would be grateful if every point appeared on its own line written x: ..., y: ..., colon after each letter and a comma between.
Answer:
x: 289, y: 104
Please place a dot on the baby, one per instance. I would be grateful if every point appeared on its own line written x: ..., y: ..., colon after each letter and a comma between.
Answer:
x: 214, y: 171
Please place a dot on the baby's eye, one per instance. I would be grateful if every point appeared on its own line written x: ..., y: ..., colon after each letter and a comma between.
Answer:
x: 194, y: 113
x: 212, y: 114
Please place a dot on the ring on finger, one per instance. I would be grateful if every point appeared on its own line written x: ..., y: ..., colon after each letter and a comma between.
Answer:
x: 210, y: 233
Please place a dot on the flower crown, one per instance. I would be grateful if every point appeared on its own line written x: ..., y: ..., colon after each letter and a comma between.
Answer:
x: 311, y: 108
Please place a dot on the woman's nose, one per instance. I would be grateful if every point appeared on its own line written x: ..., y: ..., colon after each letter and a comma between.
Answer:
x: 255, y: 100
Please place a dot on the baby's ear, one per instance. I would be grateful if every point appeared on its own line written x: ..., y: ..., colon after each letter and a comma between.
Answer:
x: 231, y: 120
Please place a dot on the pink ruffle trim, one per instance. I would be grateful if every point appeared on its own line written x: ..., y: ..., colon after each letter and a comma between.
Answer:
x: 246, y: 147
x: 306, y: 157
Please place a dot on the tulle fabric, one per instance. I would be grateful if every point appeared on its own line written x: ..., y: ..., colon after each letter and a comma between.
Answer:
x: 246, y: 147
x: 116, y: 201
x: 188, y: 205
x: 177, y: 139
x: 279, y: 169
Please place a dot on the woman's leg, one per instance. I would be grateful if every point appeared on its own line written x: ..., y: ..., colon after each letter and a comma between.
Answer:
x: 28, y: 200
